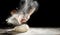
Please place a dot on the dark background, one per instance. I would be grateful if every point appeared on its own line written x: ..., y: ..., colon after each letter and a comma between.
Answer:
x: 45, y: 16
x: 48, y: 14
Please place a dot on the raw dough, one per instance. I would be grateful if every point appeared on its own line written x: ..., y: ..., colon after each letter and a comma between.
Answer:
x: 22, y: 28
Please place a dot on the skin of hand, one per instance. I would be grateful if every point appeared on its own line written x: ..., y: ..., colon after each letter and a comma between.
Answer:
x: 26, y: 17
x: 21, y: 20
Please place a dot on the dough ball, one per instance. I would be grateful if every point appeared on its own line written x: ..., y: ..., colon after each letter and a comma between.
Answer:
x: 22, y: 28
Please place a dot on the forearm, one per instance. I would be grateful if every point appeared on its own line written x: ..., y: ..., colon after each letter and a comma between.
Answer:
x: 31, y: 11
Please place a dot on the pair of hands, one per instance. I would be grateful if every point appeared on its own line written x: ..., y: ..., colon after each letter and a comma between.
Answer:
x: 20, y: 17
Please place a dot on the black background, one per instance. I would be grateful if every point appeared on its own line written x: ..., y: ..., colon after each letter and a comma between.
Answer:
x: 47, y: 14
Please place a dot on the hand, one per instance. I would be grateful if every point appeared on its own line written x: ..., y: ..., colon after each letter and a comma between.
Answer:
x: 25, y: 19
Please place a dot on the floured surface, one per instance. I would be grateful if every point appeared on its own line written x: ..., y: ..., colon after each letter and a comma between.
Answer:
x: 39, y: 31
